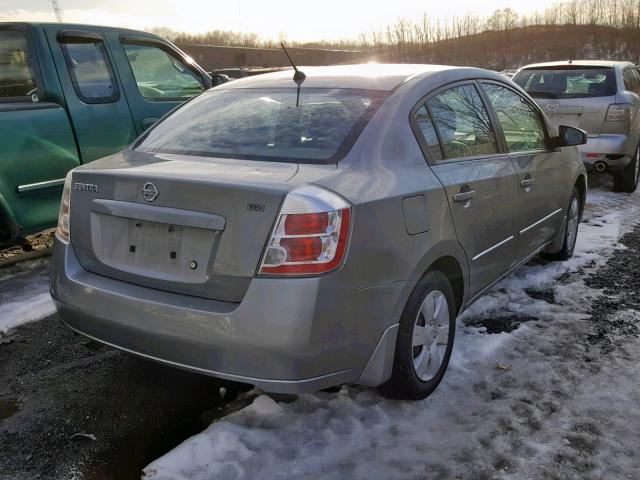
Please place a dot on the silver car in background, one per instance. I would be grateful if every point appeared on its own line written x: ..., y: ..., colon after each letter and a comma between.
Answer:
x: 301, y: 235
x: 600, y: 97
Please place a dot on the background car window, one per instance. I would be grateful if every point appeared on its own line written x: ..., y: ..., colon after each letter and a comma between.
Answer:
x: 266, y: 124
x: 159, y: 75
x: 90, y: 71
x: 425, y: 124
x: 521, y: 123
x: 16, y: 77
x: 462, y: 123
x: 568, y: 83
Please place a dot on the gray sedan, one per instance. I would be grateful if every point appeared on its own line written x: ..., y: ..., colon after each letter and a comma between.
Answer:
x: 301, y: 235
x: 601, y: 97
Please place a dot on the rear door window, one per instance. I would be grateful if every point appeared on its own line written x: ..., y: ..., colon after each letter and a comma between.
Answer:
x: 90, y: 69
x: 521, y: 123
x: 462, y: 123
x: 560, y: 83
x: 159, y: 74
x: 16, y: 75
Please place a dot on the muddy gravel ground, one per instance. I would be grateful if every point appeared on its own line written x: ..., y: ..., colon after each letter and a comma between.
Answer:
x: 39, y: 242
x: 619, y: 280
x: 71, y: 408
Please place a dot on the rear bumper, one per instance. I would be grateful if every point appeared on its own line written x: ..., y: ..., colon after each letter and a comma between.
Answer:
x: 287, y: 335
x: 615, y: 151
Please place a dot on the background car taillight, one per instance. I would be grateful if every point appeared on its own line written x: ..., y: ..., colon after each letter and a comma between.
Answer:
x: 311, y: 234
x: 618, y: 112
x: 62, y: 232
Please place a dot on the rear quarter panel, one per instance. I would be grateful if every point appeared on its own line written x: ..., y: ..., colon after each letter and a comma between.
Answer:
x: 37, y: 146
x: 633, y: 132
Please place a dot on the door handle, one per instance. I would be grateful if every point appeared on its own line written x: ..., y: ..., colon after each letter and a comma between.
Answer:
x: 465, y: 196
x: 527, y: 182
x: 148, y: 122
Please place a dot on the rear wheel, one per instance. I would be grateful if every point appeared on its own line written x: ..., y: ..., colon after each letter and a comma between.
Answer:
x: 571, y: 232
x: 425, y: 340
x: 626, y: 180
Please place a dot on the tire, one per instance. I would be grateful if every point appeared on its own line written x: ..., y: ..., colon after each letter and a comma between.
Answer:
x: 626, y: 180
x: 5, y: 234
x: 574, y: 213
x: 415, y: 375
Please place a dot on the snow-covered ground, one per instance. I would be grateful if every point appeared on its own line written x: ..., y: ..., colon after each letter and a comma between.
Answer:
x: 24, y: 294
x: 535, y: 402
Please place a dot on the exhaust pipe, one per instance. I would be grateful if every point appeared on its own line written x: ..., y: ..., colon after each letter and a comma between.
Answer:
x: 600, y: 167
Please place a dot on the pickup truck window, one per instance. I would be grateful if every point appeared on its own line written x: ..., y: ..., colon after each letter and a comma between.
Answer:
x: 16, y: 76
x: 90, y: 71
x: 160, y: 75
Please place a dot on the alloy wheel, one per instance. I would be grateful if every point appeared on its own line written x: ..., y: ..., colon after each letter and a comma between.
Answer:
x: 430, y: 335
x: 572, y: 224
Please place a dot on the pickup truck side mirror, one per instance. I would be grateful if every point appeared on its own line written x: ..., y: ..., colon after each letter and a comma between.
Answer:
x: 568, y: 137
x: 219, y: 79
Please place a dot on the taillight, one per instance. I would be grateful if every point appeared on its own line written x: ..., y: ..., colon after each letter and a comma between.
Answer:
x: 63, y: 232
x: 618, y: 112
x: 311, y: 234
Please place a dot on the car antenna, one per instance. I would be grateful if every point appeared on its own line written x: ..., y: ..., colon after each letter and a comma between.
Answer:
x: 298, y: 77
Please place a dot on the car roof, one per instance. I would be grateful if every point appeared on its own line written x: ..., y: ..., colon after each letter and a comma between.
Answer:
x: 580, y: 63
x: 367, y: 76
x: 78, y: 26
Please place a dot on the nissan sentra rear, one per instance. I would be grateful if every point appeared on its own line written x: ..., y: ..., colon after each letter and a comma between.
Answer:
x: 298, y: 232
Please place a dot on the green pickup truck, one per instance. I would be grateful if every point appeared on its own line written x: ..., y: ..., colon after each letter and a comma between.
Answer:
x: 70, y: 94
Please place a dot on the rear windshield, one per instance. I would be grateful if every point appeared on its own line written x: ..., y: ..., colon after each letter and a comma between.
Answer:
x: 568, y: 83
x: 267, y: 124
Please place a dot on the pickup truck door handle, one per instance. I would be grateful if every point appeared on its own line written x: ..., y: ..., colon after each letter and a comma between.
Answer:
x: 464, y: 195
x: 527, y: 182
x: 147, y: 122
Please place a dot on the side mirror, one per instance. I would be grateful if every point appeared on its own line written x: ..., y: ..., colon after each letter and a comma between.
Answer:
x: 568, y: 137
x: 219, y: 79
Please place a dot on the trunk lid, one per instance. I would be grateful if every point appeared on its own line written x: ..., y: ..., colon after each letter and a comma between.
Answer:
x: 188, y: 225
x: 586, y: 113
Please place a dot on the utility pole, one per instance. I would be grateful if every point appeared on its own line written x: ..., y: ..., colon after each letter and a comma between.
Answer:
x: 57, y: 10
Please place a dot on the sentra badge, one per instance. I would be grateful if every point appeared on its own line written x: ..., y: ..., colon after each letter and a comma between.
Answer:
x: 85, y: 187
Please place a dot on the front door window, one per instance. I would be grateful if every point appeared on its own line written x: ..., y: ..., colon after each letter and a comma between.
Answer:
x: 159, y: 74
x: 521, y: 123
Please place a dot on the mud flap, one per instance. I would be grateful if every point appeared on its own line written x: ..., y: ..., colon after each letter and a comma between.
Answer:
x: 378, y: 369
x: 556, y: 245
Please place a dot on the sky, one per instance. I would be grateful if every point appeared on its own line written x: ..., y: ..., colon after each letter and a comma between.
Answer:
x: 297, y: 20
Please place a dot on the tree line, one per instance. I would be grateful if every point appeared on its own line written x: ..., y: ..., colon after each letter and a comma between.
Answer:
x: 588, y: 29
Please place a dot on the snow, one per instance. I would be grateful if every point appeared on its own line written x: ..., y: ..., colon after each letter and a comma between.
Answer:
x: 532, y: 403
x: 24, y: 294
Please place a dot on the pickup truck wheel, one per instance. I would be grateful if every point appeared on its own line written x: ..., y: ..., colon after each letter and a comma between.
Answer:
x: 571, y: 232
x: 425, y: 340
x: 626, y: 180
x: 5, y: 234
